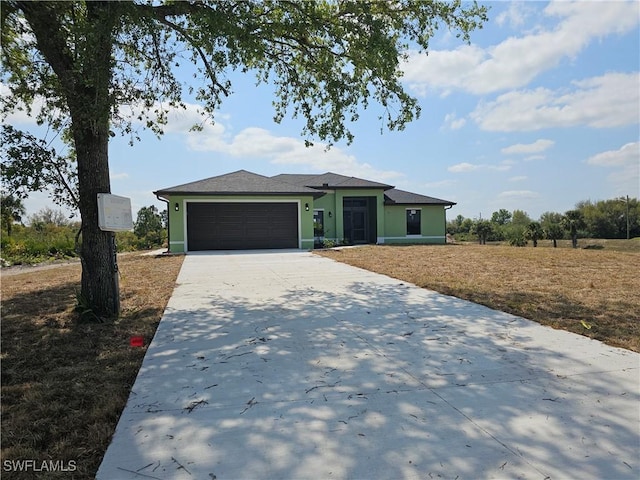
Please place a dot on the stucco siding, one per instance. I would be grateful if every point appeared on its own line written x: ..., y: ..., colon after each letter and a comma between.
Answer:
x: 327, y: 203
x: 432, y: 224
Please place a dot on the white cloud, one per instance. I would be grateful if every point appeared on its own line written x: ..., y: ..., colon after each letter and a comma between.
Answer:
x: 516, y: 61
x: 607, y: 101
x: 625, y: 165
x: 518, y: 178
x: 518, y: 194
x: 524, y: 148
x: 626, y: 155
x: 514, y: 16
x: 118, y: 176
x: 463, y: 167
x: 452, y: 122
x: 466, y: 167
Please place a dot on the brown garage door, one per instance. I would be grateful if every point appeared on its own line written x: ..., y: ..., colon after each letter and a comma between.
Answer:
x: 240, y: 226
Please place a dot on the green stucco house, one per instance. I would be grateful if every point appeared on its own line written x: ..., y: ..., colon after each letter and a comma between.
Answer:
x: 244, y: 210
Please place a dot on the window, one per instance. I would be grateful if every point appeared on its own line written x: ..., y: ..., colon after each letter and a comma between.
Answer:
x: 318, y: 223
x: 413, y: 222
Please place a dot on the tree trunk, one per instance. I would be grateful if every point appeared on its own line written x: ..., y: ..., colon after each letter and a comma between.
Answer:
x: 574, y: 240
x: 99, y: 287
x: 83, y: 65
x: 555, y: 243
x: 90, y: 112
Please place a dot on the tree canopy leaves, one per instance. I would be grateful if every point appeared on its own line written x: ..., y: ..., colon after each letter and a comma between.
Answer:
x: 11, y: 210
x: 29, y: 164
x: 325, y: 59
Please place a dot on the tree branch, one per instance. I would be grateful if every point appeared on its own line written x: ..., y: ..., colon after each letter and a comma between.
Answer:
x: 67, y: 187
x: 44, y: 20
x: 203, y: 57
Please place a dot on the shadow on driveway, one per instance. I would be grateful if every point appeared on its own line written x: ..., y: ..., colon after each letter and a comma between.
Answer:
x: 294, y: 366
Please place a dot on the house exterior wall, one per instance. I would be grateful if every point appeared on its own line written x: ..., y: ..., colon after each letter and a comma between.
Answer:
x: 178, y: 219
x: 327, y: 203
x: 432, y: 224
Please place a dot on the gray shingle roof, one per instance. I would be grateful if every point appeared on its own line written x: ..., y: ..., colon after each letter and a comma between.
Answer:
x: 329, y: 180
x: 243, y: 182
x: 236, y: 183
x: 401, y: 197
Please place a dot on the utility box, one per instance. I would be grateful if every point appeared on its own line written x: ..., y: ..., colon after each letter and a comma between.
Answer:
x: 114, y: 213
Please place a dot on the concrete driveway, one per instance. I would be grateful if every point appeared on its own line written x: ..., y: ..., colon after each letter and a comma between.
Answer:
x: 283, y: 364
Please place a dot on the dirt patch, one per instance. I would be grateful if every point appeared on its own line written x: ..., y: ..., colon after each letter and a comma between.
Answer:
x: 19, y: 269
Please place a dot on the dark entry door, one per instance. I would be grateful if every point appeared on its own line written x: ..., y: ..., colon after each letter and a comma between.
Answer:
x: 356, y: 220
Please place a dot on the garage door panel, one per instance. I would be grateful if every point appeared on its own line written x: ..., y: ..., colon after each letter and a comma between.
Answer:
x: 228, y: 226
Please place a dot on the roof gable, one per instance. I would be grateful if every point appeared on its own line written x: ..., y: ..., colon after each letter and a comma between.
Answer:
x: 401, y: 197
x: 240, y: 182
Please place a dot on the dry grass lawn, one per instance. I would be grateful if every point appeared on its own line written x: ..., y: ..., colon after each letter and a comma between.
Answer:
x: 595, y: 293
x: 64, y: 383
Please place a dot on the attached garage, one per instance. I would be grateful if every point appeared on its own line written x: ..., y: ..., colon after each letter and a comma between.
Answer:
x: 241, y: 225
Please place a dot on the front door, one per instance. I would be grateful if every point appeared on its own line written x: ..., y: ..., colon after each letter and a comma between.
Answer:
x: 356, y: 220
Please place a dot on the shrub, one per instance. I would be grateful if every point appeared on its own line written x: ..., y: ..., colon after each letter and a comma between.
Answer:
x: 518, y: 241
x: 326, y: 243
x: 126, y: 241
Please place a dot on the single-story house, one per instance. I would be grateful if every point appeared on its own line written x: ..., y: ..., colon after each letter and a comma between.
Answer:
x: 244, y: 210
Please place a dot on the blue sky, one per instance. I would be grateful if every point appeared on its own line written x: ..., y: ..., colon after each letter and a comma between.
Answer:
x: 539, y: 112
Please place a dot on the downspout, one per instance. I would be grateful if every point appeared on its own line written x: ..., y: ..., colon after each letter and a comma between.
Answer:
x: 168, y: 223
x: 446, y: 207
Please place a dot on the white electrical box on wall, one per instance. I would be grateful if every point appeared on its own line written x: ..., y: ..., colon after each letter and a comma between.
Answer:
x: 114, y: 213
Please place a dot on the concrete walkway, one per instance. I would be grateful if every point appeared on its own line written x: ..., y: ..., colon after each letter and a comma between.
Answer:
x: 278, y: 365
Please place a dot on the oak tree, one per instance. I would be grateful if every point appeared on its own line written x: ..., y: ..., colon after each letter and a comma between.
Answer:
x: 83, y: 65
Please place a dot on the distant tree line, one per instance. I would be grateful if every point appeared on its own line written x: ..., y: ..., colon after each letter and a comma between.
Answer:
x: 610, y: 219
x: 49, y: 234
